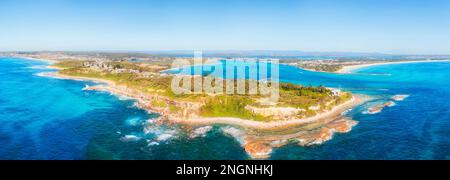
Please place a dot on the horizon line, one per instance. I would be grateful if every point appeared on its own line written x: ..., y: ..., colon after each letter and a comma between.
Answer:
x: 230, y: 51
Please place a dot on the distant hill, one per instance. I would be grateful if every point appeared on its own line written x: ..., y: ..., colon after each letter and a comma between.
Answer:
x: 271, y: 53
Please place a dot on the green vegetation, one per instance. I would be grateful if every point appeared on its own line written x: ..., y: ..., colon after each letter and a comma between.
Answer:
x: 160, y: 84
x: 174, y: 108
x: 153, y: 83
x: 229, y: 106
x: 69, y: 64
x: 160, y: 104
x: 304, y: 97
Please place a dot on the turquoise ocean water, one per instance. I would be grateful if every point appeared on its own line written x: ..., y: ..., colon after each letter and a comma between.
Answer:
x: 47, y: 118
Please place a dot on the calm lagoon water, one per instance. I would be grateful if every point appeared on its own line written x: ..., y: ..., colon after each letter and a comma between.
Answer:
x: 47, y: 118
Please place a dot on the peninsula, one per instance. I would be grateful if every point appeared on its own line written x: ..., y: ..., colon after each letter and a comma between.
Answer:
x: 347, y: 66
x: 304, y: 115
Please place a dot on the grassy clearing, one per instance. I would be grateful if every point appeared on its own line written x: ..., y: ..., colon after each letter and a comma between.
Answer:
x: 229, y: 106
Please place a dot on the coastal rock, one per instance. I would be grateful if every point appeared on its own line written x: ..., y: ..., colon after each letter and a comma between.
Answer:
x: 323, y: 135
x: 279, y: 143
x: 399, y: 97
x: 146, y: 101
x: 260, y: 145
x: 326, y: 133
x: 342, y: 126
x: 389, y: 104
x: 316, y: 137
x: 378, y: 108
x: 258, y: 150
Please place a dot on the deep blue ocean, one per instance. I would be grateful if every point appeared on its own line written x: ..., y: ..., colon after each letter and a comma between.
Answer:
x: 48, y: 118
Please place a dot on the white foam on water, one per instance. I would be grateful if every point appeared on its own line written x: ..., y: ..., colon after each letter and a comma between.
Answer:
x: 383, y: 89
x: 371, y: 113
x: 200, y: 132
x: 45, y: 74
x: 152, y: 143
x: 236, y: 133
x: 123, y: 98
x: 346, y: 112
x: 134, y: 121
x: 160, y: 133
x: 39, y: 67
x: 130, y: 138
x: 164, y: 137
x: 153, y: 129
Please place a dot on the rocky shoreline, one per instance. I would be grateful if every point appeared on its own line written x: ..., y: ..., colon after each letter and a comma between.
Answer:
x: 257, y: 138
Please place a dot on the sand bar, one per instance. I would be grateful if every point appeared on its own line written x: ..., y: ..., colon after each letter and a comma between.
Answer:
x: 351, y: 68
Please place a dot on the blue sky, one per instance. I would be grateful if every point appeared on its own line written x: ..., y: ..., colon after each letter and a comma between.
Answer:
x: 387, y: 26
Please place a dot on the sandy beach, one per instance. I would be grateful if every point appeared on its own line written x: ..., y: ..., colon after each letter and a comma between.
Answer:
x: 61, y: 76
x: 351, y: 68
x: 336, y: 112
